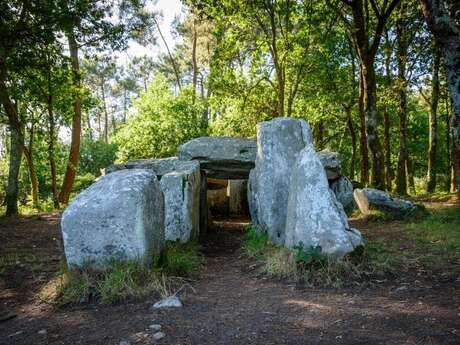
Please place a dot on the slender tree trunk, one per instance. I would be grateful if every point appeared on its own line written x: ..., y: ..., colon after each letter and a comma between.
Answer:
x: 76, y: 124
x: 450, y: 174
x: 171, y: 58
x: 386, y: 143
x: 352, y: 130
x: 319, y: 135
x: 386, y: 117
x: 106, y: 115
x: 373, y: 141
x: 51, y: 141
x: 363, y: 137
x: 410, y: 175
x: 401, y: 176
x: 194, y: 62
x: 16, y: 143
x: 28, y: 153
x: 433, y: 122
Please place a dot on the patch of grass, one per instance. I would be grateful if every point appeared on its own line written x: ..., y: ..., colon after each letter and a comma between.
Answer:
x: 126, y: 280
x: 181, y: 259
x: 437, y: 237
x: 307, y: 266
x: 256, y: 244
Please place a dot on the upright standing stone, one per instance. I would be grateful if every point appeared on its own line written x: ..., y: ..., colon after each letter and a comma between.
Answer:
x: 237, y: 197
x: 180, y: 182
x: 314, y: 216
x: 278, y: 144
x: 119, y: 217
x: 181, y: 189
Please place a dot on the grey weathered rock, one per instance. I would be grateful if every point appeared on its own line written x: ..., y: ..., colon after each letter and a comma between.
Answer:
x: 314, y: 216
x: 373, y: 199
x: 181, y: 190
x: 237, y: 191
x: 221, y: 157
x: 343, y: 190
x: 169, y: 302
x: 279, y: 142
x: 119, y: 217
x: 158, y: 336
x: 252, y: 200
x: 155, y: 327
x: 331, y: 162
x: 180, y: 182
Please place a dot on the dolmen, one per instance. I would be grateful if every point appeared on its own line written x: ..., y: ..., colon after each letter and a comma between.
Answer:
x: 295, y: 194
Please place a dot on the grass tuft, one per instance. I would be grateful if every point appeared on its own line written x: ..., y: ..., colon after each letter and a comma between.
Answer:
x: 307, y: 266
x: 126, y: 280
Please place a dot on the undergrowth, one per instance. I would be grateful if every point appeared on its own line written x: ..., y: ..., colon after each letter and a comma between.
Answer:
x: 120, y: 281
x: 307, y: 266
x: 437, y: 238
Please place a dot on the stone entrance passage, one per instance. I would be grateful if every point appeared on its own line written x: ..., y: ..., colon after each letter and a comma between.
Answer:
x: 225, y: 163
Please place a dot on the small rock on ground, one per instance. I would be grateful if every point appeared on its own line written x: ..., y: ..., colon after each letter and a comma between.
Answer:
x: 170, y: 302
x: 42, y: 332
x: 155, y: 327
x: 158, y: 336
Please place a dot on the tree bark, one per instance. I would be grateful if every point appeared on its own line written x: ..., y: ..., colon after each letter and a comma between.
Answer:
x: 447, y: 34
x: 106, y: 114
x: 352, y: 130
x: 194, y: 62
x: 402, y: 46
x: 373, y: 141
x: 74, y: 154
x: 51, y: 141
x: 433, y: 122
x: 386, y: 144
x: 28, y: 153
x: 16, y: 144
x: 363, y: 137
x: 171, y: 58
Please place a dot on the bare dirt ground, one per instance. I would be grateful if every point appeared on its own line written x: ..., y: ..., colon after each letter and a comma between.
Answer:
x: 230, y: 303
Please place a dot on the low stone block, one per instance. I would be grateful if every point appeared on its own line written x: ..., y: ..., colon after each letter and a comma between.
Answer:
x: 119, y: 217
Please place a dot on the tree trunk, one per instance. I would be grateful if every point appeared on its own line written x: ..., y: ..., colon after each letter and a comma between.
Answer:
x: 433, y: 122
x: 171, y: 58
x: 386, y: 143
x: 106, y: 114
x: 76, y: 124
x: 363, y: 137
x: 194, y: 63
x: 447, y: 186
x: 16, y: 144
x: 410, y: 175
x: 51, y: 141
x: 447, y: 34
x: 351, y: 128
x: 373, y: 141
x: 401, y: 176
x: 28, y: 153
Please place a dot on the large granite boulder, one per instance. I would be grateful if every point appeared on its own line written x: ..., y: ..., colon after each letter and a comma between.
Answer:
x: 343, y: 190
x: 180, y: 182
x: 331, y: 162
x: 279, y: 142
x: 369, y: 199
x: 221, y: 157
x: 314, y: 216
x: 119, y: 217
